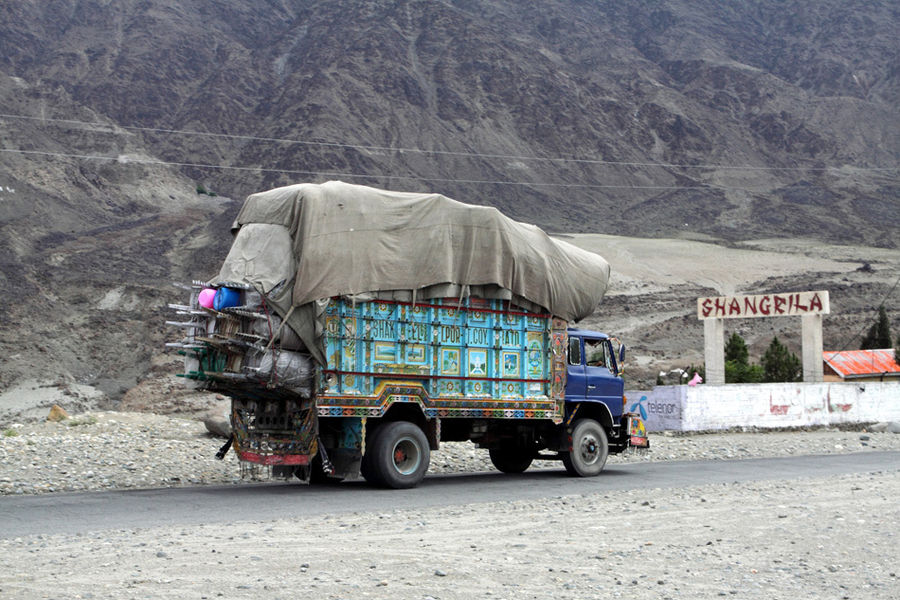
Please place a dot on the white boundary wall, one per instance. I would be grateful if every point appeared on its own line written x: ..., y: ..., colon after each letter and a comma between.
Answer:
x: 710, y: 407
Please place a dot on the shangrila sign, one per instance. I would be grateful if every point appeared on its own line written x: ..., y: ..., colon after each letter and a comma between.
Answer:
x: 793, y: 304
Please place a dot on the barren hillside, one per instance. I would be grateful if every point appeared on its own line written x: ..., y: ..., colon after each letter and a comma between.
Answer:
x: 674, y: 119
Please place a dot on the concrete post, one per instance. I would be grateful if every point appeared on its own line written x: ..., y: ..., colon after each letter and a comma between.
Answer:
x: 714, y: 350
x: 811, y: 335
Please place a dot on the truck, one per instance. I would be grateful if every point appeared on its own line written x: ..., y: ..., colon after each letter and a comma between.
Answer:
x: 355, y: 329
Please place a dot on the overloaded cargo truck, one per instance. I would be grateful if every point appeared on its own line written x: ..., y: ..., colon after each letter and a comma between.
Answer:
x: 355, y: 329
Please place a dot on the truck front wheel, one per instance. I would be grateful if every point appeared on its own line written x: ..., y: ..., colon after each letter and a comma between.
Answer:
x: 511, y: 459
x: 399, y: 456
x: 590, y: 448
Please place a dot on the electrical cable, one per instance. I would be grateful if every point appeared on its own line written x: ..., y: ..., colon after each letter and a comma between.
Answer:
x: 126, y: 160
x: 402, y: 150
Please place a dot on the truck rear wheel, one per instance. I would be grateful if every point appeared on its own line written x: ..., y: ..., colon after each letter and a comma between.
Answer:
x: 511, y: 459
x: 590, y: 449
x: 399, y: 456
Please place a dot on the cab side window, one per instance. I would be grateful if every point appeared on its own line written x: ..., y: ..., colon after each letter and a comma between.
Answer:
x: 574, y: 351
x: 597, y: 353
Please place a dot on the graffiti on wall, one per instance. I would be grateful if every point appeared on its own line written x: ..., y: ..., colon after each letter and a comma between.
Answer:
x: 778, y: 409
x: 781, y: 407
x: 705, y: 407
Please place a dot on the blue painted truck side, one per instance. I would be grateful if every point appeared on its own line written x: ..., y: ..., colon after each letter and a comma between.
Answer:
x: 466, y: 359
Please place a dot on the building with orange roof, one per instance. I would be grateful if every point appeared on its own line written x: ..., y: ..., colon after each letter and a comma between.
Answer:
x: 861, y: 365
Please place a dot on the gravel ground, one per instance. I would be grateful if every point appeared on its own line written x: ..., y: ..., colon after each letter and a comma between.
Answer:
x: 109, y: 450
x: 801, y: 539
x: 776, y: 540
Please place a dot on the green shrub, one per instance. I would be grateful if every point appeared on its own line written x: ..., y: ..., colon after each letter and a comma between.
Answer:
x: 736, y: 372
x: 780, y: 364
x: 737, y: 362
x: 879, y: 335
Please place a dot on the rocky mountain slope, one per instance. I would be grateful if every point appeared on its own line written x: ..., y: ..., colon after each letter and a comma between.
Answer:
x: 658, y: 119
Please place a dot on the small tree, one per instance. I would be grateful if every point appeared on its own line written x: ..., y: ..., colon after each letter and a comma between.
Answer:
x: 738, y: 373
x: 736, y: 350
x: 780, y: 364
x: 879, y: 335
x: 737, y: 362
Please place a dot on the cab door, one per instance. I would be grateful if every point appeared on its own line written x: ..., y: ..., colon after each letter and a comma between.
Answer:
x: 575, y: 383
x: 601, y: 382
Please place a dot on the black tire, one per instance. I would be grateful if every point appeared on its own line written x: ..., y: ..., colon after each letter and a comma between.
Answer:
x: 511, y: 459
x: 590, y: 449
x: 398, y: 456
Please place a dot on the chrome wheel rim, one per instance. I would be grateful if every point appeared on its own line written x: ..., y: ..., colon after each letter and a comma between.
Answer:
x: 589, y: 450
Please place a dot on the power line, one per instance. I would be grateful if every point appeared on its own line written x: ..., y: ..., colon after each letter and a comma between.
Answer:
x: 401, y: 150
x: 126, y: 160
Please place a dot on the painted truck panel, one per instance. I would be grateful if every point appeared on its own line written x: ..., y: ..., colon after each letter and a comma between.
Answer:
x: 476, y: 359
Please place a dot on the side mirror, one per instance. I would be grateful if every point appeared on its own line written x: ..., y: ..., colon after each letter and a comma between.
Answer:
x: 622, y: 354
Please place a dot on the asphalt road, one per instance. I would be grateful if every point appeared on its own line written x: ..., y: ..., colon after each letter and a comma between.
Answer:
x: 84, y: 512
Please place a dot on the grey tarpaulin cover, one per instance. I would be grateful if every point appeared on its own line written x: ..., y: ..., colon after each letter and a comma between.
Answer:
x: 305, y: 243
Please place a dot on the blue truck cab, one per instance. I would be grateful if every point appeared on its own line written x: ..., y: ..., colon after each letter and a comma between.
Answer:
x: 595, y: 395
x: 594, y: 372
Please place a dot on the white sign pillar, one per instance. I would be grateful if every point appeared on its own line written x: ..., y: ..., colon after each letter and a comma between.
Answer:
x: 810, y: 306
x: 811, y: 334
x: 714, y: 350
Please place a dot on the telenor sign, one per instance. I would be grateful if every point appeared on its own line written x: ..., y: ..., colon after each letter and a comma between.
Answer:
x: 765, y: 305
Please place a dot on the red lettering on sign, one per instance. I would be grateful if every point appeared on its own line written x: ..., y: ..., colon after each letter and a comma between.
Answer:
x: 720, y: 306
x: 779, y: 305
x: 763, y: 305
x: 750, y: 305
x: 815, y: 303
